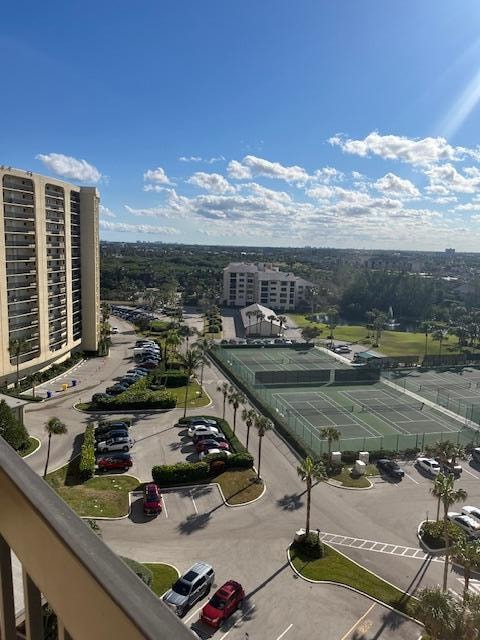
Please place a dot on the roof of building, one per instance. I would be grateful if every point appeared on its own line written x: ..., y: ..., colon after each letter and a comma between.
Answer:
x: 12, y: 402
x: 251, y: 321
x: 270, y: 272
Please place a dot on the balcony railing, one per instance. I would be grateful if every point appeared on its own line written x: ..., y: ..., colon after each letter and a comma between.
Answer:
x: 93, y: 593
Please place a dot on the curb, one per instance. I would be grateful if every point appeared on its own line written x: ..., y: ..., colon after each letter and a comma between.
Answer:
x: 346, y: 586
x: 432, y: 552
x: 35, y: 450
x: 231, y: 506
x: 339, y: 485
x: 60, y: 375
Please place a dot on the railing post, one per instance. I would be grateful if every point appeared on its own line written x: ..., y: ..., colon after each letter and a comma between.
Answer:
x: 33, y: 608
x: 7, y: 605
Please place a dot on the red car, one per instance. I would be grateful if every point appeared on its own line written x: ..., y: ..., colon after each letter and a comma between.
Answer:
x: 211, y: 443
x: 115, y: 461
x: 223, y: 603
x: 152, y: 500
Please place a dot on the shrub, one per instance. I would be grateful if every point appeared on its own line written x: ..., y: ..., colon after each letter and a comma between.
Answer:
x: 142, y: 572
x: 183, y: 472
x: 12, y: 429
x: 174, y: 378
x: 241, y: 460
x: 310, y: 545
x: 87, y: 454
x: 138, y: 396
x: 432, y: 533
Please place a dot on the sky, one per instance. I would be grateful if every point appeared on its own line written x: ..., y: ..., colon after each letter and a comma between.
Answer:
x: 339, y: 123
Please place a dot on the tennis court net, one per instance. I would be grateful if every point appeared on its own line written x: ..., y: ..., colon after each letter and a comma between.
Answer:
x: 311, y: 409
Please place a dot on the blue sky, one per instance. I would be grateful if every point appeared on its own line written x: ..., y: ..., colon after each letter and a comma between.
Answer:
x: 324, y: 123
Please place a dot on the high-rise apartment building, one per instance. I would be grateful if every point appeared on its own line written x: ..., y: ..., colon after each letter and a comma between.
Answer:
x: 247, y: 283
x: 49, y: 270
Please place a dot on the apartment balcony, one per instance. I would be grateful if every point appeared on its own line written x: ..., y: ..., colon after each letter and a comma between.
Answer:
x: 18, y: 198
x: 13, y: 243
x: 20, y: 313
x: 53, y: 244
x: 17, y: 184
x: 93, y: 593
x: 14, y: 299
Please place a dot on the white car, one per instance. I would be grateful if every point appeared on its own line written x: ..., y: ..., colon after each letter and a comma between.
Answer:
x: 196, y: 430
x: 114, y: 330
x: 473, y: 512
x: 202, y: 454
x: 429, y: 465
x: 115, y: 444
x: 202, y: 420
x: 468, y: 524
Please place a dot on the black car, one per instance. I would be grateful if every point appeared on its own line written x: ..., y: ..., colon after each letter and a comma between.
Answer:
x: 112, y: 426
x: 391, y: 468
x: 101, y: 435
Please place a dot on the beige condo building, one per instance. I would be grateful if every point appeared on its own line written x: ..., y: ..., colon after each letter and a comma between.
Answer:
x: 49, y: 270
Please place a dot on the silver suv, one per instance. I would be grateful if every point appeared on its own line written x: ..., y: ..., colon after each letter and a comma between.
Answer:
x: 190, y: 588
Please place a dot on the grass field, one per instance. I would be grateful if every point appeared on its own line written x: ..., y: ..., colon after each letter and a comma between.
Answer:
x: 193, y: 399
x: 164, y: 575
x: 239, y: 485
x: 33, y: 445
x: 337, y: 568
x: 392, y: 343
x: 105, y: 496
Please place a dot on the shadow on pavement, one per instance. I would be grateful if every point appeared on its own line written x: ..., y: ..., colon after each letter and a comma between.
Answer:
x: 290, y: 502
x: 136, y: 513
x: 194, y: 523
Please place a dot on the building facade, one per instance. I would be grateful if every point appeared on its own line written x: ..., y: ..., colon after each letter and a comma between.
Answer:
x: 262, y: 283
x: 49, y: 271
x: 257, y: 320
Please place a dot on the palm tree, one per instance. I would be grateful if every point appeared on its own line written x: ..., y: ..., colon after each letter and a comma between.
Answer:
x: 248, y: 416
x: 448, y: 496
x: 235, y: 398
x: 282, y: 320
x: 437, y: 610
x: 189, y: 360
x: 426, y: 327
x: 271, y: 317
x: 308, y: 472
x: 16, y: 347
x: 439, y: 336
x: 467, y: 554
x: 260, y: 316
x: 330, y: 434
x: 173, y: 339
x: 379, y: 325
x: 223, y: 388
x: 187, y: 332
x: 54, y: 427
x: 250, y: 315
x: 332, y: 320
x: 203, y: 346
x: 262, y: 425
x: 105, y: 309
x: 446, y: 451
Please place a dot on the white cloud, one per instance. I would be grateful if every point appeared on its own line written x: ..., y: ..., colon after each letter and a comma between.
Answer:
x: 106, y: 212
x: 446, y: 177
x: 469, y: 206
x: 70, y: 167
x: 237, y: 171
x: 262, y: 167
x: 328, y: 174
x: 136, y: 228
x: 393, y: 184
x: 321, y: 193
x: 154, y: 187
x: 211, y: 160
x: 213, y: 182
x: 416, y: 151
x: 156, y: 175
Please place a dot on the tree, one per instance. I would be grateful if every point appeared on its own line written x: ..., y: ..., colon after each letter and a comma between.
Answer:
x: 262, y: 425
x: 467, y: 554
x: 53, y: 427
x: 439, y: 335
x: 189, y: 361
x: 310, y: 333
x: 445, y: 451
x: 248, y: 416
x: 426, y: 327
x: 378, y: 325
x: 203, y: 346
x: 250, y: 314
x: 271, y: 317
x: 448, y: 495
x: 332, y: 320
x: 330, y: 434
x: 223, y: 388
x: 235, y: 398
x: 187, y: 332
x: 172, y: 339
x: 260, y: 316
x: 105, y: 310
x: 16, y: 347
x: 437, y: 610
x: 282, y: 320
x: 308, y: 472
x: 11, y: 429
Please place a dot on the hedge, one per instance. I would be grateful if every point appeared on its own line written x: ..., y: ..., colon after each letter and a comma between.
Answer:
x: 142, y: 572
x: 139, y: 396
x: 87, y: 453
x: 238, y: 460
x: 173, y: 378
x: 235, y: 444
x: 180, y: 473
x: 352, y: 456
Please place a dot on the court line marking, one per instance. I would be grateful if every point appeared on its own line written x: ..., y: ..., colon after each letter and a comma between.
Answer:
x: 344, y: 637
x: 285, y: 632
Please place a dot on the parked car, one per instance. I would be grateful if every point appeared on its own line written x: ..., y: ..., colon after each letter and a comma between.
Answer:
x: 195, y: 429
x: 190, y: 588
x: 476, y: 454
x: 223, y: 603
x: 473, y: 512
x: 391, y: 468
x: 202, y: 445
x: 429, y: 465
x: 115, y: 444
x: 209, y: 436
x: 116, y: 390
x: 114, y: 330
x: 152, y: 500
x: 207, y: 452
x: 203, y: 420
x: 149, y: 364
x: 450, y: 467
x: 470, y: 525
x: 111, y: 434
x: 114, y: 461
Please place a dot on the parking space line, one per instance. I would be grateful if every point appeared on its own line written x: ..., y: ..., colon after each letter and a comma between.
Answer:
x: 285, y: 632
x: 164, y: 506
x: 358, y: 622
x: 412, y: 479
x: 194, y: 503
x: 470, y: 473
x: 193, y: 614
x: 239, y: 620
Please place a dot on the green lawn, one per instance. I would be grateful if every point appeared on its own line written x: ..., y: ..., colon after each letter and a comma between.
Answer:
x: 349, y: 480
x: 239, y: 485
x: 163, y: 576
x: 105, y: 496
x: 193, y: 400
x: 392, y: 343
x: 337, y: 568
x: 32, y: 445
